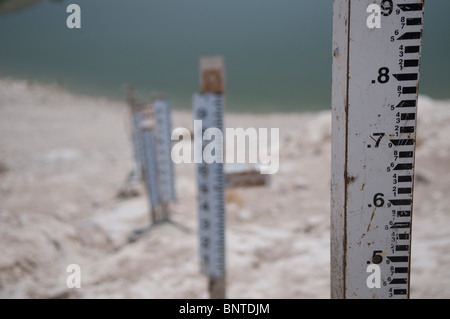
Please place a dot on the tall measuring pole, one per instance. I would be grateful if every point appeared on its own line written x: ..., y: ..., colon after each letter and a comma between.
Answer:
x: 150, y: 168
x: 374, y: 100
x: 136, y: 119
x: 209, y: 107
x: 152, y: 130
x: 165, y: 176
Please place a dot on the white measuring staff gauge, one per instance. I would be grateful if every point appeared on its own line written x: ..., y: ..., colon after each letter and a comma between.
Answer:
x: 137, y: 143
x: 208, y: 107
x: 165, y: 176
x: 375, y: 91
x: 150, y: 162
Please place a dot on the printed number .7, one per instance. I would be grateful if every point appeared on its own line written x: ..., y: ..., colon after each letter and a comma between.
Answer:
x: 377, y: 144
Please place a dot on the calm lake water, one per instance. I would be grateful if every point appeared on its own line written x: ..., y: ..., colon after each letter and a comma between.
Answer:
x: 278, y: 53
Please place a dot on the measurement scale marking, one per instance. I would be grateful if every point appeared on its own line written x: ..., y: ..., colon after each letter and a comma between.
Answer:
x: 400, y: 202
x: 414, y: 21
x: 407, y: 103
x: 411, y: 7
x: 405, y: 154
x: 401, y: 225
x: 398, y: 259
x: 400, y: 291
x: 150, y: 167
x: 403, y: 213
x: 399, y: 281
x: 411, y: 36
x: 405, y: 190
x: 408, y: 116
x: 208, y: 108
x: 411, y: 64
x: 405, y: 179
x: 403, y: 167
x: 403, y: 236
x: 406, y: 76
x: 412, y: 49
x: 407, y: 129
x: 403, y: 142
x: 165, y: 176
x: 402, y: 248
x: 409, y: 90
x: 401, y: 270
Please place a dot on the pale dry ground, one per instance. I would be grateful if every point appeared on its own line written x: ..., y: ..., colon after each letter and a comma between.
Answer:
x: 64, y: 157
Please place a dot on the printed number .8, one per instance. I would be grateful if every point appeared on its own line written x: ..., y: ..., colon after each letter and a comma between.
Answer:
x: 383, y: 75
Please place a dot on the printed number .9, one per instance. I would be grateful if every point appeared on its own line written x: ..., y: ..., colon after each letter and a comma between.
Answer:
x: 383, y: 75
x: 387, y: 6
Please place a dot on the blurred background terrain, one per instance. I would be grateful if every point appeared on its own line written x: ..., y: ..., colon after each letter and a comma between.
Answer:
x: 65, y: 147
